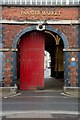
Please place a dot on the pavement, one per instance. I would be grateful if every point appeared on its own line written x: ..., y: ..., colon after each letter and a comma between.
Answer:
x: 50, y: 103
x: 47, y: 104
x: 42, y: 114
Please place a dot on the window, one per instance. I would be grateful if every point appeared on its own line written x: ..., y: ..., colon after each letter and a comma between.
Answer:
x: 33, y: 2
x: 38, y: 2
x: 64, y: 2
x: 42, y: 2
x: 71, y: 2
x: 48, y: 2
x: 76, y: 1
x: 53, y: 2
x: 59, y: 2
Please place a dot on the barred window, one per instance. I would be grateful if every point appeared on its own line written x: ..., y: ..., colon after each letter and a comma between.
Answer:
x: 76, y: 1
x: 41, y: 2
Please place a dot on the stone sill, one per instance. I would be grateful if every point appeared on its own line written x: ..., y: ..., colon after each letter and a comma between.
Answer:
x: 8, y: 91
x: 72, y: 91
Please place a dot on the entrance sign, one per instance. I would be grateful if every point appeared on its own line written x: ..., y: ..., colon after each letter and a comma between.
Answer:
x: 43, y: 13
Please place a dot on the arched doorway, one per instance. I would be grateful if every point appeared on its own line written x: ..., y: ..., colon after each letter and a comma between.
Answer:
x: 48, y: 34
x: 54, y: 70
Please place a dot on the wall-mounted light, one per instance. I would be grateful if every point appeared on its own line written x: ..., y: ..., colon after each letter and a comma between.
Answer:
x: 73, y: 59
x: 7, y: 60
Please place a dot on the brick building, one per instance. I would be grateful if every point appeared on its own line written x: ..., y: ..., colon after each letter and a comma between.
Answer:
x: 27, y: 28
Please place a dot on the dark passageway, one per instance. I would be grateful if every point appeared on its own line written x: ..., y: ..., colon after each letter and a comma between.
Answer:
x: 53, y: 62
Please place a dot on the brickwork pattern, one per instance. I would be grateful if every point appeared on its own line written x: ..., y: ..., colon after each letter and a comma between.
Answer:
x: 73, y: 70
x: 22, y: 13
x: 10, y: 31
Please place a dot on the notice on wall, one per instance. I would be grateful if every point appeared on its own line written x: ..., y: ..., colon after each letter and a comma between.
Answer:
x: 43, y: 13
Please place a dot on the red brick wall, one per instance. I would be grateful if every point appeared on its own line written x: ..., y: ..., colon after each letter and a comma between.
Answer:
x: 73, y: 70
x: 19, y: 13
x: 10, y: 31
x: 7, y: 66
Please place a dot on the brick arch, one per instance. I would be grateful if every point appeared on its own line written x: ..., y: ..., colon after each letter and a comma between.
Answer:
x: 49, y: 28
x: 26, y: 30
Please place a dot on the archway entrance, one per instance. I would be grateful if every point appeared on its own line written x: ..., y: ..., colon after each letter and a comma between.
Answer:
x: 53, y: 65
x: 30, y: 59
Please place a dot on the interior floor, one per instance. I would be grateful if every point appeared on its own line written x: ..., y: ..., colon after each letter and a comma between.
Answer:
x: 52, y: 83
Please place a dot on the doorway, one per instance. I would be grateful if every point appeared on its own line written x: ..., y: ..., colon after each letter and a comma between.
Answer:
x: 53, y: 66
x: 32, y: 48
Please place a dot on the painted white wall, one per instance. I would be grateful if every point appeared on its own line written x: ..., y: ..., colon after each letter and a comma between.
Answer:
x: 47, y: 62
x: 47, y: 59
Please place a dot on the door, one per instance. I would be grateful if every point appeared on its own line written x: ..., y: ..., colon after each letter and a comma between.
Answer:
x: 32, y: 60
